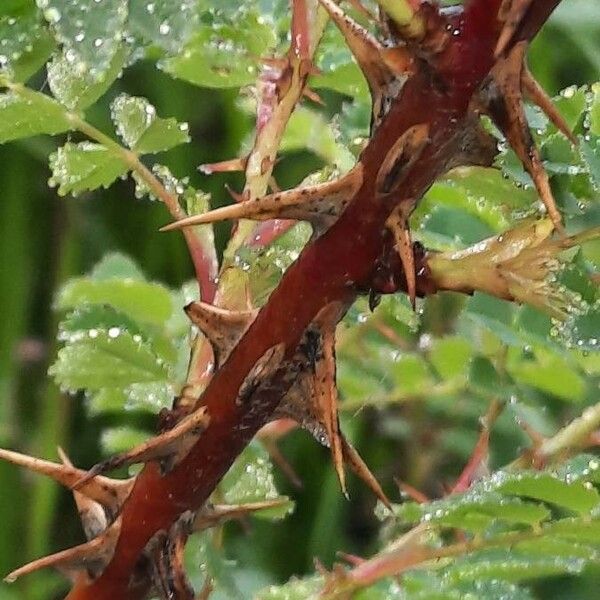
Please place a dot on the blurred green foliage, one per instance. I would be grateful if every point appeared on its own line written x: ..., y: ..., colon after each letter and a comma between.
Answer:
x: 413, y: 385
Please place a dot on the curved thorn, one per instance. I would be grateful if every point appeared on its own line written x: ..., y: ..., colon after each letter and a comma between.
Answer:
x: 225, y: 166
x: 111, y: 493
x: 397, y: 223
x: 503, y: 101
x: 93, y: 556
x: 365, y: 48
x: 358, y: 465
x: 400, y: 158
x: 538, y: 95
x: 217, y: 514
x: 92, y: 515
x: 264, y: 368
x: 169, y: 447
x: 322, y: 201
x: 511, y: 13
x: 224, y: 328
x: 325, y: 388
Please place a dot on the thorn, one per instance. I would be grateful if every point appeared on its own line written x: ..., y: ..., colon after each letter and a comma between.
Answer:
x: 261, y: 372
x: 321, y: 202
x: 223, y: 328
x: 503, y: 101
x: 412, y: 492
x: 400, y: 158
x: 511, y: 13
x: 91, y: 557
x: 217, y: 514
x: 475, y: 146
x: 480, y: 454
x: 169, y: 447
x: 280, y: 460
x: 326, y: 398
x: 93, y: 516
x: 363, y: 10
x: 313, y: 96
x: 110, y: 493
x: 239, y: 198
x: 225, y: 166
x: 165, y: 552
x: 273, y: 185
x: 397, y: 223
x: 312, y: 400
x: 366, y: 48
x: 538, y: 95
x: 351, y: 559
x: 360, y: 468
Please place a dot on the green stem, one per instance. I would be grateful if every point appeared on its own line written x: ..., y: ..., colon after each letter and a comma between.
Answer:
x: 405, y: 16
x: 133, y: 162
x: 261, y: 160
x: 412, y: 554
x: 201, y: 257
x: 565, y: 442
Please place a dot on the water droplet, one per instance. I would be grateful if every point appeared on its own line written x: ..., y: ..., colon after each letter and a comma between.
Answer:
x: 52, y: 15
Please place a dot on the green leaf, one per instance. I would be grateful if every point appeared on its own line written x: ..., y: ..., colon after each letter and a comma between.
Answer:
x: 106, y: 401
x: 74, y: 86
x: 93, y: 31
x: 578, y: 530
x: 147, y: 397
x: 294, y: 589
x: 571, y: 103
x: 84, y: 167
x: 473, y: 511
x: 481, y: 192
x: 151, y: 397
x: 167, y: 25
x: 595, y: 110
x: 142, y: 301
x: 106, y: 358
x: 411, y: 373
x: 88, y: 317
x: 250, y: 479
x: 509, y: 566
x: 116, y: 265
x: 25, y: 44
x: 224, y: 53
x: 308, y: 130
x: 29, y: 113
x: 201, y: 550
x: 551, y: 373
x: 96, y: 316
x: 120, y: 439
x: 575, y: 496
x: 451, y: 356
x: 497, y: 316
x: 585, y: 467
x: 140, y: 128
x: 428, y: 585
x: 338, y: 70
x: 590, y: 153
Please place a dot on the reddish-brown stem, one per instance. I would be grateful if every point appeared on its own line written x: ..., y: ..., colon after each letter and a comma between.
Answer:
x: 334, y: 267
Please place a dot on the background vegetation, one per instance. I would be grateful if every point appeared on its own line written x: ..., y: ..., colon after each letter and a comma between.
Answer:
x: 425, y: 380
